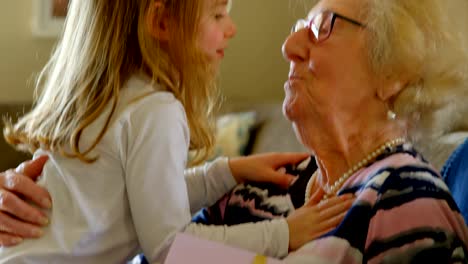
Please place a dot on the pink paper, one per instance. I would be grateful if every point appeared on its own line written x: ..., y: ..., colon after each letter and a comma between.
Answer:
x: 188, y: 249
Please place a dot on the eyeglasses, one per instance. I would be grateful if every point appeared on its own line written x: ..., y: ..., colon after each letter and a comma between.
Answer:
x: 321, y: 25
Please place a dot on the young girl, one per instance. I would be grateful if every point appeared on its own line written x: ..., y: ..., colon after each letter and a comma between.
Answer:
x: 128, y: 91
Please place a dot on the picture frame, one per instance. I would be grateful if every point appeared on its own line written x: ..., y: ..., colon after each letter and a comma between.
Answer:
x: 48, y: 17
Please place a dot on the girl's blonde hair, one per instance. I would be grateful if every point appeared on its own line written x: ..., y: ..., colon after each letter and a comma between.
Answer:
x: 104, y: 43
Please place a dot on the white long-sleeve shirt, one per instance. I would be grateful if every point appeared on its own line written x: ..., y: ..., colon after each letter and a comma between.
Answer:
x: 135, y: 196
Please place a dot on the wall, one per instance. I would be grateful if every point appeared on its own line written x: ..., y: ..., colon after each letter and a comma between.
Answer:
x: 20, y: 53
x: 254, y: 69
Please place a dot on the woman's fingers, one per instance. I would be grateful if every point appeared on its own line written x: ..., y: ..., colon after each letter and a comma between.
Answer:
x: 7, y: 240
x: 18, y: 219
x: 32, y: 168
x: 12, y: 204
x: 11, y: 226
x: 19, y: 184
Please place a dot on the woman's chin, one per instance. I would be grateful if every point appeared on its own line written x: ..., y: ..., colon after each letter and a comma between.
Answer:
x: 290, y: 108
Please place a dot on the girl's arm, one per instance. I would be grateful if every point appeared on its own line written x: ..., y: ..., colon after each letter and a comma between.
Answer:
x: 208, y: 183
x: 269, y: 238
x: 275, y: 237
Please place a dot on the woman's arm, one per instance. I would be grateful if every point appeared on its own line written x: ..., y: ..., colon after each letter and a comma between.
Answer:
x: 18, y: 217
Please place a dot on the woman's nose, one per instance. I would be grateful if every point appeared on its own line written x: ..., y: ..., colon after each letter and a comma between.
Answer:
x: 295, y: 46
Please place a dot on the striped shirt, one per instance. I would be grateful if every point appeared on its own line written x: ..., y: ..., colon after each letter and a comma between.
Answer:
x: 403, y: 213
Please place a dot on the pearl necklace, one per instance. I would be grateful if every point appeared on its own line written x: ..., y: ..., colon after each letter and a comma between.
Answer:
x: 364, y: 162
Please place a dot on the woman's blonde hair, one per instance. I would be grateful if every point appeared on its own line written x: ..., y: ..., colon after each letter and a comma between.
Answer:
x: 104, y: 43
x: 420, y: 42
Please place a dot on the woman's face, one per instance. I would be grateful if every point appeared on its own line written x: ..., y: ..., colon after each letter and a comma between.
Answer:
x: 330, y: 76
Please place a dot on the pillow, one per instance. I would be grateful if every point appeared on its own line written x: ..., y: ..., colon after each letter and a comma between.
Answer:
x: 233, y: 132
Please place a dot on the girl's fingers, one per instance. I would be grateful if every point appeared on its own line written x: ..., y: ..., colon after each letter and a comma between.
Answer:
x: 335, y: 209
x: 321, y: 233
x: 282, y: 179
x: 289, y: 158
x: 334, y: 201
x: 331, y: 223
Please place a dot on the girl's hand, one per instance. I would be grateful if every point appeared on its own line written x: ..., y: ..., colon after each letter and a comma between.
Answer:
x: 264, y: 167
x: 18, y: 218
x: 314, y: 220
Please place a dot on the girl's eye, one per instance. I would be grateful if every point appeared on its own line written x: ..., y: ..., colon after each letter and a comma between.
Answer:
x: 219, y: 16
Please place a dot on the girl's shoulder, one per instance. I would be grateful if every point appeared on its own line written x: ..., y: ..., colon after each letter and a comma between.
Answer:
x: 140, y: 90
x: 140, y: 95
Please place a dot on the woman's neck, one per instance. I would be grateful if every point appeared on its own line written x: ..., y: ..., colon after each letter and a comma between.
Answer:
x: 341, y: 148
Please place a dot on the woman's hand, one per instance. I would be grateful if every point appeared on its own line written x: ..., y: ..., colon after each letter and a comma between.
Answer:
x: 264, y: 167
x: 314, y: 220
x: 19, y: 218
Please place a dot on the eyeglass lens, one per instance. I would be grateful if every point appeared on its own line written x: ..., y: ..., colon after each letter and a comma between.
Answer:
x: 320, y: 26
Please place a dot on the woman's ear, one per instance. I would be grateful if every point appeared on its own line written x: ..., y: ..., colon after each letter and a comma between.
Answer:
x: 390, y: 90
x: 157, y: 21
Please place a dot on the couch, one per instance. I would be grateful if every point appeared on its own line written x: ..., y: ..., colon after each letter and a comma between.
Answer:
x: 269, y: 132
x: 9, y: 157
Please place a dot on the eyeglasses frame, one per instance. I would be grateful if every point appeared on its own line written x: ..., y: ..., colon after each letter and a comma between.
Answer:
x: 334, y: 15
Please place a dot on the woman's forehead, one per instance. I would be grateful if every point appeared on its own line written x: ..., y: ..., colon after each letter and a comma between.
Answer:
x: 346, y: 7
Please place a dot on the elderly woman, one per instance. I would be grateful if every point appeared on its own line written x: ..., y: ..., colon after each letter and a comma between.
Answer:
x: 363, y: 74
